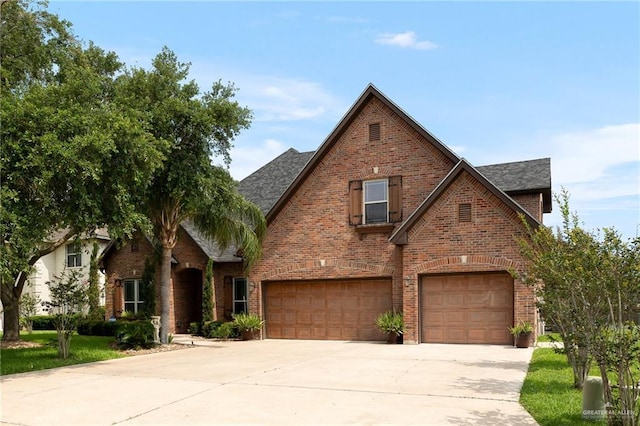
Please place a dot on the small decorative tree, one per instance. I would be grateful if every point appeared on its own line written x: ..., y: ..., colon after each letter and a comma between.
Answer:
x: 148, y: 286
x: 68, y: 296
x: 28, y: 309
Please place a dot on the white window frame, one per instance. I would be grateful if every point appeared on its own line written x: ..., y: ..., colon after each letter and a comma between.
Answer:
x: 238, y: 282
x: 366, y: 202
x: 74, y: 255
x: 137, y: 303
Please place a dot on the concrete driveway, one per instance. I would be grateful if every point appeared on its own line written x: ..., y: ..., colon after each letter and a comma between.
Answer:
x: 275, y: 382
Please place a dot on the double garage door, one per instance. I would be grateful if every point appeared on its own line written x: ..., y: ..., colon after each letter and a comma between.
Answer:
x: 454, y: 308
x: 466, y: 308
x: 326, y: 309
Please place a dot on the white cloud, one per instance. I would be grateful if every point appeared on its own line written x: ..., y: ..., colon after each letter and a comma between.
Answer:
x: 248, y: 159
x: 407, y: 39
x: 592, y: 155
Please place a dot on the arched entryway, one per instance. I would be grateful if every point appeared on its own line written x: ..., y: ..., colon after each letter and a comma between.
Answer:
x: 187, y: 298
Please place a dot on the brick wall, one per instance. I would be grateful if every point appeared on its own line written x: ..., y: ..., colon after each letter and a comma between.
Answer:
x: 311, y: 237
x: 185, y: 302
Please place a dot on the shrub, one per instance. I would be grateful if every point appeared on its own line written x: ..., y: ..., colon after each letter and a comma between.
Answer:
x: 209, y: 327
x: 134, y: 334
x: 225, y: 330
x: 195, y: 329
x: 89, y: 327
x: 43, y: 322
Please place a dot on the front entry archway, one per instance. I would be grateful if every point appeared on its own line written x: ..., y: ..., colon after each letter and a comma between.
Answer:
x: 187, y: 298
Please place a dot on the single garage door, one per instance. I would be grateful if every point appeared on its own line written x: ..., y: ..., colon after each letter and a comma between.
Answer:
x: 467, y: 308
x: 326, y: 310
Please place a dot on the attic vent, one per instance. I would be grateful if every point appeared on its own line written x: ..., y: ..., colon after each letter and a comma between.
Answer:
x: 464, y: 212
x: 374, y: 132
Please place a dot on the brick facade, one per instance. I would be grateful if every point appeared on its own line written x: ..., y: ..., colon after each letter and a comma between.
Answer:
x: 310, y: 237
x: 187, y: 278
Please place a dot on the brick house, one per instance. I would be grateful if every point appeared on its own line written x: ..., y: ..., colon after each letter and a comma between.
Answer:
x: 124, y: 266
x: 382, y: 216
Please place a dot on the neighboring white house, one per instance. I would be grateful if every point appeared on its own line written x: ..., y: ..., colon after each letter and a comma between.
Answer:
x: 74, y: 255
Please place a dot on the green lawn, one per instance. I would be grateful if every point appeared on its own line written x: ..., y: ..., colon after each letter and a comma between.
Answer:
x: 548, y: 392
x: 83, y: 349
x: 549, y: 337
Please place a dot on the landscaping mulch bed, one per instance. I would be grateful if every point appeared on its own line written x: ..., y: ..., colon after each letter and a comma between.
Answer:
x: 22, y: 344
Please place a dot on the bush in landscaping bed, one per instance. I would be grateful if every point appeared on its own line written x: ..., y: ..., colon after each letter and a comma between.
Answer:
x: 195, y: 328
x: 134, y: 334
x: 226, y: 330
x: 210, y: 327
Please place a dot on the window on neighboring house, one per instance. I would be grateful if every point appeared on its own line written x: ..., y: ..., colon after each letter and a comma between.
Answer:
x: 375, y: 201
x: 74, y: 255
x: 132, y: 301
x: 239, y: 295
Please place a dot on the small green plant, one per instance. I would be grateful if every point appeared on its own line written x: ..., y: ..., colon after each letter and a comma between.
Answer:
x: 522, y: 327
x: 28, y: 309
x: 225, y: 331
x: 391, y: 322
x: 135, y: 334
x: 195, y: 328
x: 210, y: 327
x: 247, y: 322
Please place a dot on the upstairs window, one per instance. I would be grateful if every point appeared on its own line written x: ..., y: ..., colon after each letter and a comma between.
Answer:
x: 375, y: 201
x: 74, y: 255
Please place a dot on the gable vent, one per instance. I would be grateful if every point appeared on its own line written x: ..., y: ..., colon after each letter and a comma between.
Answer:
x: 374, y: 132
x: 464, y: 212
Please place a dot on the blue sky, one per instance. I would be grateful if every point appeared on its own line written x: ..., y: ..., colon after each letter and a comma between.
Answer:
x: 495, y: 81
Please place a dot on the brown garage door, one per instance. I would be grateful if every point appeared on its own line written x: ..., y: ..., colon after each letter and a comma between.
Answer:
x: 467, y: 308
x: 326, y: 310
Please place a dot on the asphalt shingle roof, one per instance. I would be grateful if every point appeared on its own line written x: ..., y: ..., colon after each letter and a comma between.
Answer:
x: 210, y: 247
x: 520, y: 175
x: 265, y: 186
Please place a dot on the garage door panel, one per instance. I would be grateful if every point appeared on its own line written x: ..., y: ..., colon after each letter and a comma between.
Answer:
x: 466, y: 308
x: 337, y: 310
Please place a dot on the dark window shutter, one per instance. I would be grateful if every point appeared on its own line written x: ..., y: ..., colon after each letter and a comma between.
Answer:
x: 355, y: 202
x: 395, y: 199
x: 464, y: 212
x: 118, y: 298
x: 374, y: 132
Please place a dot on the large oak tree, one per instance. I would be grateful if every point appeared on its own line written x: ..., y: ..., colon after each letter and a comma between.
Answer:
x: 73, y: 156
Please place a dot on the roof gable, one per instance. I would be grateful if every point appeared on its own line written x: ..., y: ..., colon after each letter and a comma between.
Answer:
x: 400, y: 236
x: 369, y: 93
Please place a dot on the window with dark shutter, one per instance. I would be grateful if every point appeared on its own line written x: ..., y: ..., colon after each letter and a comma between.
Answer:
x: 374, y: 132
x: 355, y: 202
x: 464, y: 212
x: 395, y: 199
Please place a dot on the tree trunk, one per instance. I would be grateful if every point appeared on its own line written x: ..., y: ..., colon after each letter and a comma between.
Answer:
x: 11, y: 324
x: 165, y: 292
x: 11, y: 307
